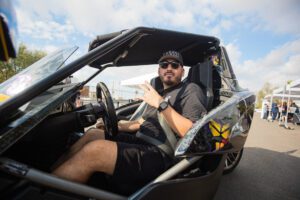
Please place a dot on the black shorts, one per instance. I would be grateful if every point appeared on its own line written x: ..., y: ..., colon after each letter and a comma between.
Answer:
x: 138, y: 162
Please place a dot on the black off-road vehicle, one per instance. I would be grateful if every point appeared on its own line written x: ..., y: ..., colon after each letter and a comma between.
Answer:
x: 38, y: 121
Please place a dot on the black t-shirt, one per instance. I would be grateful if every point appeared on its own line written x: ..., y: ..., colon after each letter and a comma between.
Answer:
x: 186, y: 98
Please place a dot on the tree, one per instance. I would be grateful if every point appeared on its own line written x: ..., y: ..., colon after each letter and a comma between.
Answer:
x: 266, y: 89
x: 24, y: 59
x: 289, y: 82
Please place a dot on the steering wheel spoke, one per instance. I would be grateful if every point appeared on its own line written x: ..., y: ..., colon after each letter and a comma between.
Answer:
x: 109, y: 118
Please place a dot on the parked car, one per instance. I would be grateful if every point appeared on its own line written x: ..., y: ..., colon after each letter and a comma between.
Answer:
x: 39, y: 121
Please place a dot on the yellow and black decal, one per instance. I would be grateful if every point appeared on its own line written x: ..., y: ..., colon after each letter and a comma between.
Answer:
x: 3, y: 97
x: 220, y: 133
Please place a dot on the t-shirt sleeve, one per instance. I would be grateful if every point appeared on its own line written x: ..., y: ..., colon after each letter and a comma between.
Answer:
x: 192, y: 103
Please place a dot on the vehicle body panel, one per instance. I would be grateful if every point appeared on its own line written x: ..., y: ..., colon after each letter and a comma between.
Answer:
x: 235, y: 115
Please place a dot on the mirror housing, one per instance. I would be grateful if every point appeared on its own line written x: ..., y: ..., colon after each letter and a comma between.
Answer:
x: 8, y: 31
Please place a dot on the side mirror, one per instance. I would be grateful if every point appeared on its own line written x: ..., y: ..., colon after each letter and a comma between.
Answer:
x: 8, y: 31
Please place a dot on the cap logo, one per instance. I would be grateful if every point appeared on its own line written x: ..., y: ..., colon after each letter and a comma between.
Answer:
x: 172, y: 53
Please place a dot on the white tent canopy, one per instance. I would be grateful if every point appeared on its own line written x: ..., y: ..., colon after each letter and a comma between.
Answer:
x: 292, y: 89
x: 136, y: 81
x: 289, y: 92
x: 280, y: 96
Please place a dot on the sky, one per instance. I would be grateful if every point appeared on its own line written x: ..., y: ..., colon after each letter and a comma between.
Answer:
x: 262, y: 37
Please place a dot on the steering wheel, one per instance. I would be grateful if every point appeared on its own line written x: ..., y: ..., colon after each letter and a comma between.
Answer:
x: 110, y: 119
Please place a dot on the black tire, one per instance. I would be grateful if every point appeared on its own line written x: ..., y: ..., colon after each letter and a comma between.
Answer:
x: 232, y: 161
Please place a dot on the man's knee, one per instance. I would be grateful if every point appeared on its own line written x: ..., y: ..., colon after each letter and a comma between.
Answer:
x: 94, y: 134
x: 100, y: 155
x: 99, y: 148
x: 94, y: 131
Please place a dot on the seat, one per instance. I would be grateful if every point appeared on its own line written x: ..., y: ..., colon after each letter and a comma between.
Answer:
x: 157, y: 84
x: 208, y: 79
x: 201, y: 74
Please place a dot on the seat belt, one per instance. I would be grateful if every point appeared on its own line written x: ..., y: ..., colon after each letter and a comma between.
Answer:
x: 171, y: 138
x: 170, y: 134
x: 139, y: 111
x: 163, y: 146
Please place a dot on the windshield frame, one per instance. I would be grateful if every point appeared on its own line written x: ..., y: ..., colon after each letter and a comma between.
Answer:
x: 9, y: 106
x: 20, y: 126
x: 39, y: 81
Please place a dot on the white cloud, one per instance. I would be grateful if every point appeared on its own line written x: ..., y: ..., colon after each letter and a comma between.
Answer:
x: 49, y: 48
x: 46, y: 48
x: 40, y: 18
x: 58, y: 20
x: 277, y: 67
x: 282, y: 17
x: 275, y: 16
x: 234, y: 53
x: 226, y: 24
x: 45, y: 29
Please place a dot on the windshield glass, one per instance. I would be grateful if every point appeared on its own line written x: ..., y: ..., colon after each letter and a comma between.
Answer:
x: 34, y: 74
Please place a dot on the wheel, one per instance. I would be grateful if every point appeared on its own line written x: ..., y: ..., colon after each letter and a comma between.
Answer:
x: 110, y: 119
x: 232, y: 161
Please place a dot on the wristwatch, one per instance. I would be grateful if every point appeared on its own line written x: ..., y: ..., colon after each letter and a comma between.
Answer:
x: 163, y: 106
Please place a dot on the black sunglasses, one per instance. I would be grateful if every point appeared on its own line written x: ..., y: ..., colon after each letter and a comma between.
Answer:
x: 165, y: 64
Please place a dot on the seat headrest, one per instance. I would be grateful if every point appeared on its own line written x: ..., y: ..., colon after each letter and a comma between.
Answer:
x: 157, y: 84
x: 201, y: 74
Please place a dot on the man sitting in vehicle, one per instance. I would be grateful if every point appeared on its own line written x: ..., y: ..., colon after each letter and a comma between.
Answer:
x: 131, y: 158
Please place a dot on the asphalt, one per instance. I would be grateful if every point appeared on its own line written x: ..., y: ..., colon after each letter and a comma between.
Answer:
x: 270, y: 166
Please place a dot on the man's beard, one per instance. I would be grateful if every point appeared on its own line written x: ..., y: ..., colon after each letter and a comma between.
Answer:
x: 170, y: 82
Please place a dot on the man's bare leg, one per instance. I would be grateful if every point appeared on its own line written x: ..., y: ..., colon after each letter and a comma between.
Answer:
x: 90, y: 135
x: 98, y: 155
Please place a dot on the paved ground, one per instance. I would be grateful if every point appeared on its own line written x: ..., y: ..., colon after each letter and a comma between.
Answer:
x: 270, y: 166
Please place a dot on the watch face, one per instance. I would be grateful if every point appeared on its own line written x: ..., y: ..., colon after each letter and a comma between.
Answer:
x: 163, y: 105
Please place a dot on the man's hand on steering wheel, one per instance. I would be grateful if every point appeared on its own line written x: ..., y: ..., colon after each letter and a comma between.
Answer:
x: 121, y: 124
x: 100, y: 125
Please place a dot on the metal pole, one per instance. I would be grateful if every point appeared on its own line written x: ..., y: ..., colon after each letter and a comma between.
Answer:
x: 282, y: 99
x: 287, y: 109
x: 270, y: 109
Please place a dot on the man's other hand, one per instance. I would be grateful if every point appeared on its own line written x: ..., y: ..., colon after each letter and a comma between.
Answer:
x: 151, y: 97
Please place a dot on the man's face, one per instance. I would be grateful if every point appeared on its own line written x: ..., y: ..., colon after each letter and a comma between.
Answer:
x: 170, y: 73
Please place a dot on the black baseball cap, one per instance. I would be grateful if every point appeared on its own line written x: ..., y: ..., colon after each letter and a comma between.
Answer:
x: 171, y: 55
